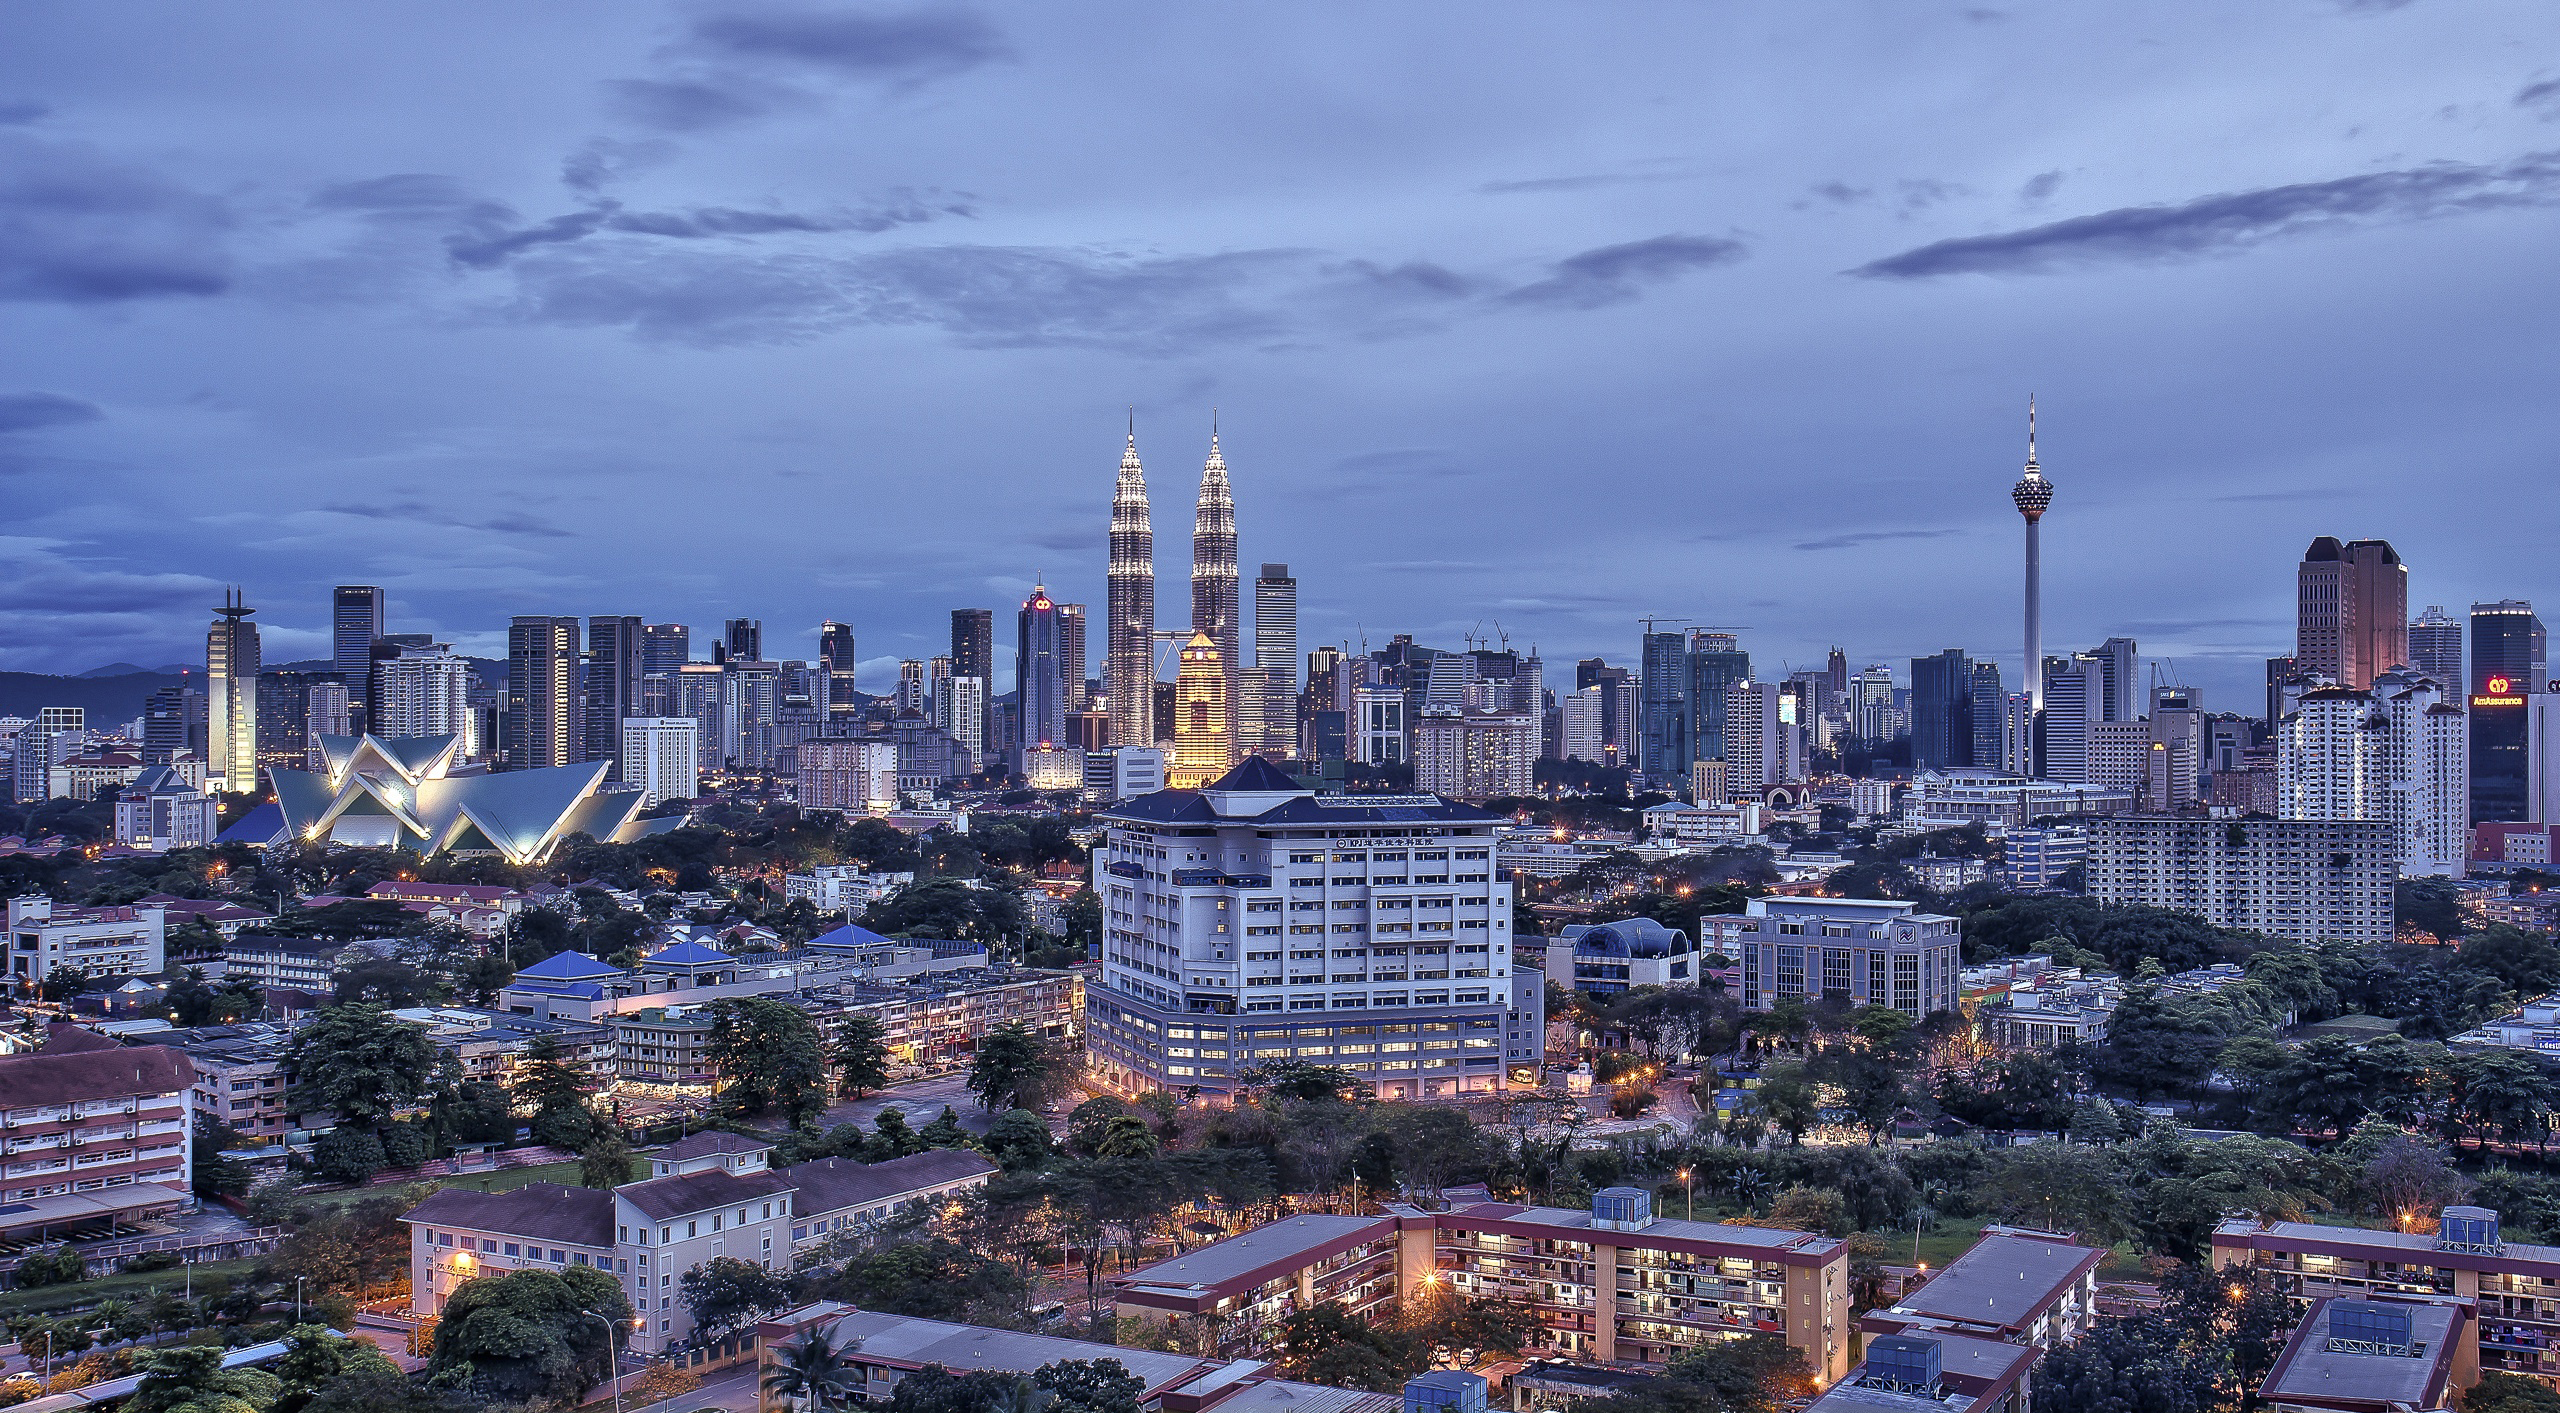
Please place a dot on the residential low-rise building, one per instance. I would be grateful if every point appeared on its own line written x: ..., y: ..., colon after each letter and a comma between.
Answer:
x: 240, y: 1077
x: 664, y: 1045
x: 1933, y: 1372
x: 711, y: 1195
x: 1940, y: 799
x: 2374, y: 1356
x: 1613, y: 1285
x: 2039, y: 857
x: 301, y: 963
x: 159, y: 811
x: 129, y: 940
x: 2016, y: 1285
x: 96, y: 1132
x: 2517, y: 1326
x: 835, y: 888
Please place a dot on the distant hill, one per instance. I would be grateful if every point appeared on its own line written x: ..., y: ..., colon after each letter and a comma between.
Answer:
x: 127, y: 669
x: 109, y: 701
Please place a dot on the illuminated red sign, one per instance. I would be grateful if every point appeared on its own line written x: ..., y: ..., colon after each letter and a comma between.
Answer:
x: 2500, y: 686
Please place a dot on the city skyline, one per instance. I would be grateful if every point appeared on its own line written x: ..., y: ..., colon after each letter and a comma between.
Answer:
x: 1636, y: 317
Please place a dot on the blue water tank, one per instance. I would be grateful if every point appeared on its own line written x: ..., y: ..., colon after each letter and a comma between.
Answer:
x: 2369, y: 1322
x: 2467, y: 1226
x: 1621, y: 1208
x: 1905, y: 1361
x: 1444, y: 1391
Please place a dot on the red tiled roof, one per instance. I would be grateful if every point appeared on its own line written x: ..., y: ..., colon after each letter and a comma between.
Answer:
x: 124, y: 1070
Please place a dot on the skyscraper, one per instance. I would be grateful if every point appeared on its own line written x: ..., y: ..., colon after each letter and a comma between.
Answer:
x: 1941, y: 711
x: 1203, y: 749
x: 1991, y: 746
x: 743, y: 639
x: 2435, y: 649
x: 1275, y: 621
x: 2118, y: 664
x: 1716, y: 662
x: 2073, y: 694
x: 1129, y: 608
x: 2507, y: 669
x: 664, y: 647
x: 910, y: 685
x: 231, y: 697
x: 2353, y: 611
x: 1071, y: 653
x: 2395, y: 752
x: 1213, y: 572
x: 1664, y: 753
x: 2032, y: 495
x: 836, y: 663
x: 541, y: 723
x: 355, y: 620
x: 615, y: 670
x: 426, y: 691
x: 1040, y: 679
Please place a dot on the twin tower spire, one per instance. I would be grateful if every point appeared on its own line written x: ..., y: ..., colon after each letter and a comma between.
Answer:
x: 1129, y: 662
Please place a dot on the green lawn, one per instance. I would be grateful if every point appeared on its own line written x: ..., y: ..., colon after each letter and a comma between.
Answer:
x: 122, y: 1286
x: 507, y: 1180
x: 1954, y: 1236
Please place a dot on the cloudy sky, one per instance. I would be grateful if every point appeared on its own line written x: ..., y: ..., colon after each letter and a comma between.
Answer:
x: 1545, y: 316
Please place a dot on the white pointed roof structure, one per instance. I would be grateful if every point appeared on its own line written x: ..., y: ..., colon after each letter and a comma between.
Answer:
x: 402, y: 792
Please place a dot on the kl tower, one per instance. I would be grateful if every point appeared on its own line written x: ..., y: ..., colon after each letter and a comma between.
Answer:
x: 2032, y: 494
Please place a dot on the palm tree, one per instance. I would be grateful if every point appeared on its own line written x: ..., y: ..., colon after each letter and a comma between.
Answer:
x: 813, y: 1370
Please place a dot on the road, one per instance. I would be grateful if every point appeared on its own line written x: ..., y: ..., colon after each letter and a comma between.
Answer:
x: 921, y: 1100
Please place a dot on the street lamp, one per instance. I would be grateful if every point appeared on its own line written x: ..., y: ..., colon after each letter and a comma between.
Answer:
x: 297, y: 1298
x: 1690, y: 1183
x: 612, y: 1364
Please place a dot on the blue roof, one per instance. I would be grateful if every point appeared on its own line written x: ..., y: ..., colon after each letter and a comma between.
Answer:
x: 258, y: 826
x: 569, y: 966
x: 851, y: 935
x: 581, y: 990
x: 1627, y: 937
x: 686, y: 953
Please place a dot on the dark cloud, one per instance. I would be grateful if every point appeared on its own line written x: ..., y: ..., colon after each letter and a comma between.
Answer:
x: 29, y: 411
x: 416, y: 512
x: 2235, y: 220
x: 1868, y: 537
x: 1842, y: 194
x: 485, y: 248
x: 401, y: 191
x: 1071, y: 539
x: 914, y: 46
x: 1413, y: 278
x: 2368, y: 7
x: 689, y: 105
x: 1986, y: 17
x: 1927, y: 192
x: 2041, y: 185
x: 494, y: 233
x: 604, y: 160
x: 1614, y: 274
x: 2544, y: 95
x: 79, y: 227
x: 22, y: 112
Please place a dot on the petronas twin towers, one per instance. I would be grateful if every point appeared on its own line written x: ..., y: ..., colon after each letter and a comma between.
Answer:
x: 1129, y: 664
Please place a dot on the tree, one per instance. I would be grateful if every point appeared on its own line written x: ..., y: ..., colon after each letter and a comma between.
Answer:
x: 482, y: 977
x: 216, y: 1174
x: 1018, y: 1139
x: 1090, y: 1386
x: 349, y: 1155
x: 191, y: 999
x: 1787, y: 1096
x: 605, y: 1162
x: 768, y: 1055
x: 1810, y: 1209
x: 63, y: 1265
x: 936, y: 1279
x: 316, y: 1355
x: 359, y: 1061
x: 861, y: 1053
x: 549, y: 1081
x: 369, y: 1390
x: 1011, y: 1069
x: 935, y: 1389
x: 63, y: 982
x: 812, y: 1370
x: 726, y: 1295
x: 529, y: 1335
x: 191, y: 1378
x: 2502, y: 1392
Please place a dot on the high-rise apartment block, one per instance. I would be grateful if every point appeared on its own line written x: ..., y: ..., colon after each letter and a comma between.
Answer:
x: 542, y: 722
x: 54, y: 734
x: 855, y: 777
x: 1367, y: 932
x: 1586, y: 725
x: 663, y: 756
x: 424, y: 691
x: 2307, y: 881
x: 2353, y: 613
x: 664, y: 647
x: 231, y: 665
x: 615, y: 668
x: 2397, y: 753
x: 2435, y: 648
x: 1663, y: 681
x: 1475, y: 754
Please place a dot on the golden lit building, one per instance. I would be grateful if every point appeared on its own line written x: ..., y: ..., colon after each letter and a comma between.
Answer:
x: 1204, y: 745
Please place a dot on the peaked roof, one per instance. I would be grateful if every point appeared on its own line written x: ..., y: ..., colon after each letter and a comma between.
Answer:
x: 684, y: 953
x: 262, y: 825
x: 569, y: 966
x: 852, y: 935
x: 1256, y: 774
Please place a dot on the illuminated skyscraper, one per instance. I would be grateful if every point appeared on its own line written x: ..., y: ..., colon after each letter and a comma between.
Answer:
x: 355, y: 620
x: 1203, y: 748
x: 2353, y: 611
x: 541, y: 720
x: 231, y: 697
x: 836, y: 664
x: 1128, y: 650
x: 1040, y: 678
x: 2435, y: 649
x: 1213, y: 574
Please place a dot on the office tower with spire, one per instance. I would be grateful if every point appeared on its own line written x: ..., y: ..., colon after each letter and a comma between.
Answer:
x: 2435, y: 649
x: 1214, y: 608
x: 231, y: 666
x: 1129, y: 607
x: 2033, y: 495
x: 2352, y: 617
